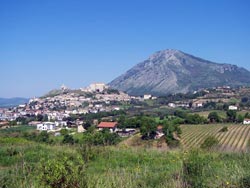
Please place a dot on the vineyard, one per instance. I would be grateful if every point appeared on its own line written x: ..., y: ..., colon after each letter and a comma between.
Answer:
x: 235, y: 139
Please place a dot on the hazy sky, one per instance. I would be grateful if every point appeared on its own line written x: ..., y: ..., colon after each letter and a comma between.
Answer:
x: 45, y: 43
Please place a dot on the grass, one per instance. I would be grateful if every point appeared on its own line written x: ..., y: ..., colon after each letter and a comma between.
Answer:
x: 142, y: 166
x: 123, y: 166
x: 205, y: 114
x: 17, y: 129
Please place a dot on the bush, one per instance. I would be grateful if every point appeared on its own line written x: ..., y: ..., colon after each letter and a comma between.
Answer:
x: 173, y: 143
x: 64, y: 132
x: 210, y: 142
x: 224, y: 129
x: 194, y: 170
x: 64, y: 171
x: 68, y: 139
x: 43, y: 137
x: 245, y: 182
x: 104, y: 137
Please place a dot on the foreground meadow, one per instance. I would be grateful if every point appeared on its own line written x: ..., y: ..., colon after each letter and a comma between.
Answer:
x: 25, y: 164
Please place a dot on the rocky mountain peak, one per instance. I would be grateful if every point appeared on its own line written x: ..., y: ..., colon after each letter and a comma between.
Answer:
x: 173, y: 71
x: 164, y: 54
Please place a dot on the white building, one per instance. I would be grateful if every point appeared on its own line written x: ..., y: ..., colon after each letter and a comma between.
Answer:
x: 61, y: 123
x: 231, y: 107
x: 98, y: 87
x: 246, y: 121
x: 46, y: 126
x: 146, y: 97
x: 63, y: 87
x: 172, y: 105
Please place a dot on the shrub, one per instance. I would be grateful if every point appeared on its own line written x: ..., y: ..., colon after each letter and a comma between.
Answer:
x: 224, y: 129
x: 210, y: 142
x: 43, y: 137
x: 68, y: 139
x: 64, y: 171
x: 173, y: 143
x: 245, y: 182
x: 194, y: 169
x: 64, y: 132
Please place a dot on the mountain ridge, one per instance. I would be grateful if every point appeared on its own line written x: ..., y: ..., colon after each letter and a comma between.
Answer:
x: 10, y: 102
x: 173, y: 71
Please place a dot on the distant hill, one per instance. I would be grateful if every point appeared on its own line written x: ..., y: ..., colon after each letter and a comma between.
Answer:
x: 10, y: 102
x: 173, y: 71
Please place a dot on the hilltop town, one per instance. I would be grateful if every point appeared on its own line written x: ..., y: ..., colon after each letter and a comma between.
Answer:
x: 59, y: 106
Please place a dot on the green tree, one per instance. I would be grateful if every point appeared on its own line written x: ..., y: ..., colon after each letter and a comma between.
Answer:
x: 231, y: 115
x: 247, y: 115
x: 45, y: 118
x: 170, y: 129
x: 148, y: 127
x: 240, y: 118
x: 122, y: 122
x: 195, y: 119
x: 214, y: 117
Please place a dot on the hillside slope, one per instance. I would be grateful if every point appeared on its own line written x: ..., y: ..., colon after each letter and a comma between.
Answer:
x: 173, y: 71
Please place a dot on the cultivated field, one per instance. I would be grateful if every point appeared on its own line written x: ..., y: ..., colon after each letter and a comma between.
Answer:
x: 235, y: 139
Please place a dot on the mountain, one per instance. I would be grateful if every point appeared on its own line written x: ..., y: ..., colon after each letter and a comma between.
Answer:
x: 173, y: 71
x: 4, y: 102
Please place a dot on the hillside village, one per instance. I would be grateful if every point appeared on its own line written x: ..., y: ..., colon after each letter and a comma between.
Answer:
x: 54, y: 110
x: 96, y: 98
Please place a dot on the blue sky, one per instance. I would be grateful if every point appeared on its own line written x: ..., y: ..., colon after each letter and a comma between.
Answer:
x: 45, y: 43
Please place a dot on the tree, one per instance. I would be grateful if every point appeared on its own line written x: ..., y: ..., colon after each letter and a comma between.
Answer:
x: 244, y: 99
x: 231, y: 115
x: 170, y: 129
x: 148, y: 127
x: 195, y: 119
x: 122, y: 122
x: 240, y: 118
x: 39, y: 117
x: 214, y: 117
x: 45, y: 118
x: 247, y: 115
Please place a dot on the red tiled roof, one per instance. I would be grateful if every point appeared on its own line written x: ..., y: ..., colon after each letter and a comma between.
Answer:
x: 107, y: 125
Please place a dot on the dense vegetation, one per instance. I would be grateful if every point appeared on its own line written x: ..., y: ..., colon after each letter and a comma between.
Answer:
x: 27, y: 164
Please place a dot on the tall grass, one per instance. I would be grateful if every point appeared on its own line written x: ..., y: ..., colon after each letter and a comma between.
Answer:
x: 123, y: 167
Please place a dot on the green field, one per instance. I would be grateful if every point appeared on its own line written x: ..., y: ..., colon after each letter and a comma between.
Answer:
x: 24, y: 164
x: 21, y: 165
